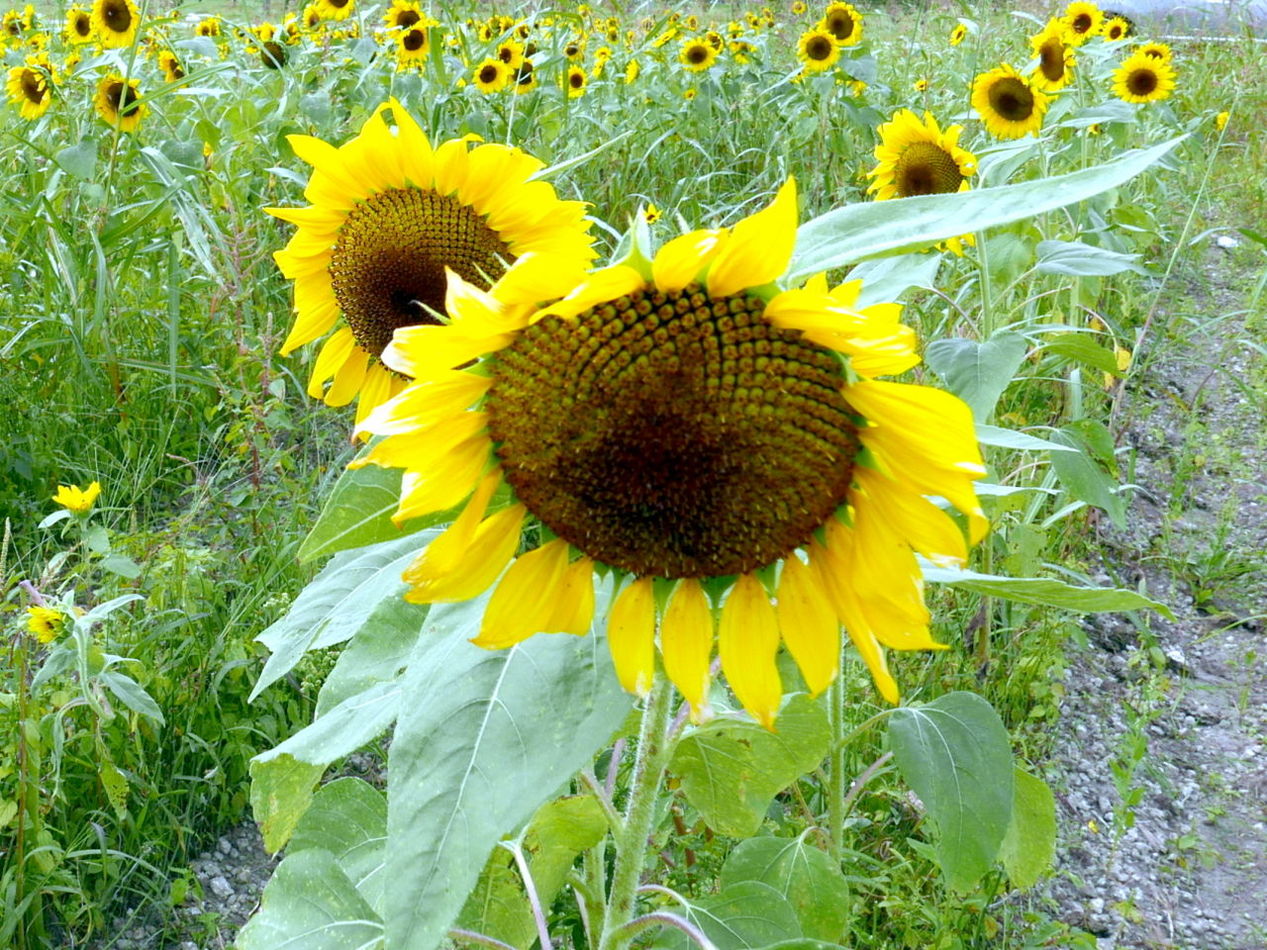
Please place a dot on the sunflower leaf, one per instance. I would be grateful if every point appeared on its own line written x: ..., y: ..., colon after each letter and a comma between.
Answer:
x: 1045, y: 591
x: 858, y: 232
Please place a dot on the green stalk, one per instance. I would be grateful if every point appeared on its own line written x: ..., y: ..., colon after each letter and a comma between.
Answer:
x: 631, y: 840
x: 836, y: 770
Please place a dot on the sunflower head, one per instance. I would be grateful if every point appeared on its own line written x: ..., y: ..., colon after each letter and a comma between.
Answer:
x: 958, y: 34
x: 843, y: 22
x: 817, y: 50
x: 718, y: 445
x: 402, y: 14
x: 78, y: 26
x: 1160, y: 51
x: 1083, y: 20
x: 208, y: 26
x: 1143, y: 78
x: 917, y: 158
x: 118, y: 102
x: 1053, y: 48
x: 575, y: 82
x: 697, y: 55
x: 490, y: 76
x: 336, y: 9
x: 1115, y: 28
x: 115, y: 22
x: 1009, y: 104
x: 30, y: 87
x: 170, y: 65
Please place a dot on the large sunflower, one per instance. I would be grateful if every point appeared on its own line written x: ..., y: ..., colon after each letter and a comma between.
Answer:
x: 30, y: 87
x: 335, y: 9
x: 1056, y: 59
x: 1009, y: 105
x: 115, y: 22
x: 704, y: 438
x: 117, y: 102
x: 918, y: 158
x: 1143, y: 78
x: 389, y: 215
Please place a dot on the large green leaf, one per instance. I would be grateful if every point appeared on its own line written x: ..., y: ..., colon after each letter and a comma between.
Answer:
x: 1078, y: 259
x: 1030, y: 842
x: 309, y: 904
x: 954, y: 752
x: 806, y: 876
x: 485, y: 738
x: 348, y: 818
x: 1045, y: 590
x: 379, y: 651
x: 498, y: 906
x: 879, y: 228
x: 731, y: 769
x: 558, y: 832
x: 747, y: 915
x: 338, y: 602
x: 978, y: 372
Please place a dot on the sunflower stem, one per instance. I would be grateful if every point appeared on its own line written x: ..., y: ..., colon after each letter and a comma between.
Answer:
x: 836, y: 770
x: 631, y: 840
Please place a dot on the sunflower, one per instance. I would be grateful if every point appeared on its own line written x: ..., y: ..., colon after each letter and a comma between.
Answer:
x: 1141, y: 78
x: 30, y: 87
x: 958, y: 34
x: 115, y: 22
x: 1160, y: 51
x: 511, y: 53
x: 78, y: 28
x: 843, y: 22
x: 917, y: 158
x: 1008, y: 104
x: 388, y: 216
x: 273, y: 55
x: 1083, y: 20
x: 799, y: 7
x: 525, y: 78
x: 575, y: 82
x: 46, y: 624
x: 117, y: 102
x: 1115, y: 29
x: 335, y: 9
x: 490, y: 76
x: 1056, y: 59
x: 412, y: 48
x: 817, y: 50
x: 632, y: 69
x: 170, y: 65
x: 683, y: 426
x: 78, y: 500
x: 402, y: 14
x: 208, y: 26
x: 1220, y: 120
x: 696, y: 55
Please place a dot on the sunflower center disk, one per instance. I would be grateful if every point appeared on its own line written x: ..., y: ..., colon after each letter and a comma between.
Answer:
x: 819, y: 48
x: 1011, y: 99
x: 673, y: 435
x: 1051, y: 60
x: 387, y: 266
x: 1142, y: 82
x: 926, y: 169
x: 117, y: 16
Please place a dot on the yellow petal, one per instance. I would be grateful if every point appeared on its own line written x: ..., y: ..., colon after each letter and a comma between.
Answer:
x: 332, y: 355
x: 747, y: 640
x: 911, y: 516
x: 443, y: 555
x: 445, y: 482
x: 631, y: 636
x: 348, y: 378
x: 525, y: 598
x: 680, y: 261
x: 604, y: 285
x: 808, y: 624
x: 417, y: 159
x: 574, y: 600
x: 859, y: 632
x: 485, y: 557
x: 374, y: 391
x: 426, y: 403
x: 759, y: 248
x: 686, y: 644
x: 311, y: 323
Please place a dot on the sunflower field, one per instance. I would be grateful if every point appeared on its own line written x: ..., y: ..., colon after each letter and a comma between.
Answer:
x: 671, y: 445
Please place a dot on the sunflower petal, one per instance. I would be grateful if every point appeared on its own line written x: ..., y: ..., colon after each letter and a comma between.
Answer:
x: 808, y: 624
x: 631, y: 636
x: 524, y: 599
x: 747, y: 640
x: 759, y: 247
x: 574, y: 600
x: 680, y: 261
x: 490, y: 549
x: 686, y: 644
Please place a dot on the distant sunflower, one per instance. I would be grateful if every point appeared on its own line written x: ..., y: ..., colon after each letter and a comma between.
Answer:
x: 208, y: 26
x: 958, y: 34
x: 490, y: 76
x: 389, y: 216
x: 511, y: 53
x: 1118, y: 28
x: 799, y: 7
x: 273, y: 54
x: 684, y: 427
x: 169, y: 63
x: 1083, y: 20
x: 117, y: 102
x: 575, y: 82
x: 30, y: 87
x: 412, y: 48
x: 632, y: 69
x: 402, y: 15
x: 817, y: 50
x: 1008, y: 104
x: 1141, y: 78
x: 843, y: 22
x: 1160, y: 51
x: 115, y: 22
x: 78, y: 26
x: 697, y: 55
x: 335, y: 9
x: 917, y: 158
x: 1055, y: 54
x: 525, y: 78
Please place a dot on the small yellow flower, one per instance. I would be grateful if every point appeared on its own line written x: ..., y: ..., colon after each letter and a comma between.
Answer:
x: 958, y: 34
x: 920, y: 85
x: 1220, y: 120
x: 45, y: 623
x: 72, y: 498
x: 651, y: 214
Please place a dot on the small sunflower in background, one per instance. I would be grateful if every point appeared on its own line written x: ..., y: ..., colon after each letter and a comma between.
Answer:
x: 273, y: 54
x: 920, y: 85
x: 697, y: 55
x: 170, y: 64
x: 958, y: 34
x: 575, y: 82
x: 1142, y: 78
x: 412, y: 48
x: 632, y: 69
x: 511, y: 53
x: 1056, y: 57
x: 78, y: 500
x: 719, y: 448
x: 402, y: 14
x: 208, y: 26
x: 917, y: 158
x: 1083, y: 20
x: 1117, y: 28
x: 1160, y: 51
x: 817, y: 50
x: 1008, y: 104
x: 799, y: 7
x: 651, y: 214
x: 335, y: 9
x: 78, y: 29
x: 46, y: 624
x: 843, y: 22
x: 1220, y: 120
x: 118, y: 102
x: 30, y: 87
x: 115, y: 23
x: 389, y: 215
x: 525, y: 78
x: 490, y: 76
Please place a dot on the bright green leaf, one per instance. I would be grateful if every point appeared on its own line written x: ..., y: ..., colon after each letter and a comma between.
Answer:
x: 498, y: 907
x: 79, y: 160
x: 1081, y: 348
x: 1046, y: 591
x: 558, y: 832
x: 1011, y: 439
x: 744, y: 916
x: 1086, y: 480
x: 805, y: 875
x: 348, y: 818
x: 955, y: 754
x: 281, y: 790
x: 1030, y: 843
x: 978, y: 372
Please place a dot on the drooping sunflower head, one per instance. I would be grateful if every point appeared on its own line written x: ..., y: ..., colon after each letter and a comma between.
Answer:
x: 389, y: 216
x: 169, y: 63
x: 1115, y: 28
x: 817, y: 50
x: 1009, y: 105
x: 1143, y: 78
x: 118, y: 102
x: 843, y: 22
x: 30, y: 87
x: 958, y: 34
x: 115, y: 22
x: 525, y: 78
x: 78, y: 28
x: 697, y: 55
x: 1054, y: 50
x: 1160, y: 51
x: 709, y: 439
x: 1083, y: 20
x: 273, y: 54
x: 917, y: 158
